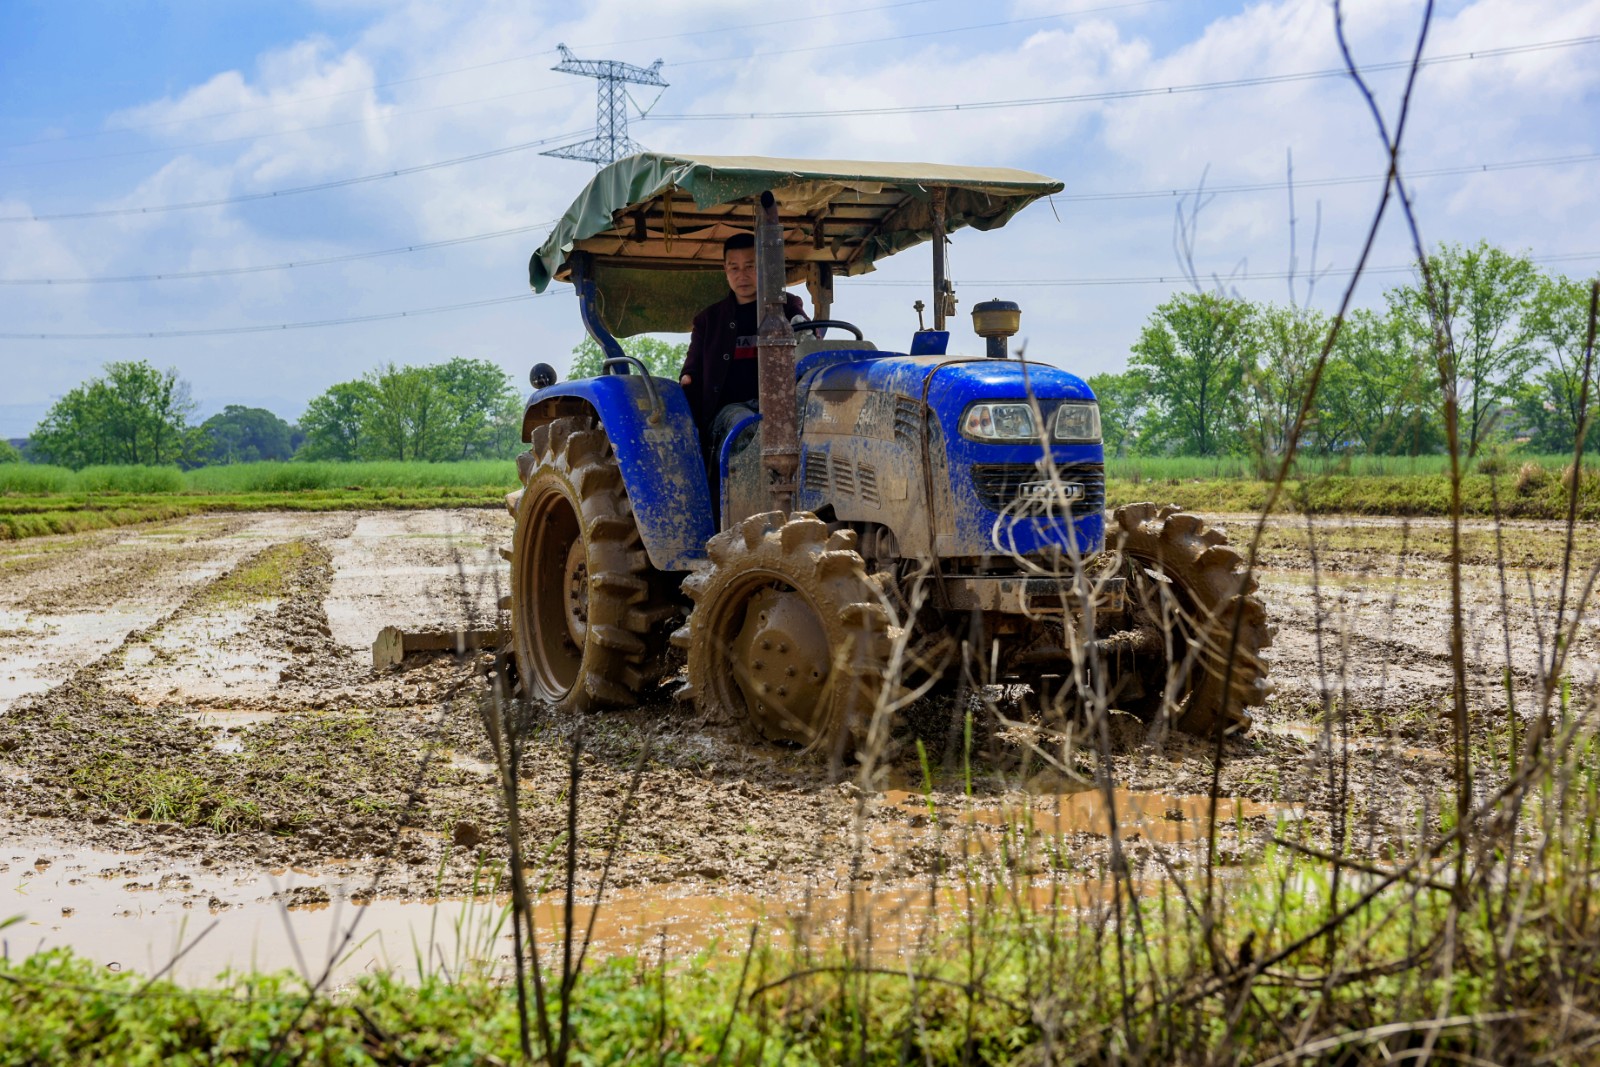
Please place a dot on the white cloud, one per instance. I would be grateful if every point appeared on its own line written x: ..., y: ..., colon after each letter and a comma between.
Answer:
x: 379, y: 82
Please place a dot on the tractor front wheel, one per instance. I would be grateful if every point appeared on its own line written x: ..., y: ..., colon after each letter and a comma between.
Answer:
x: 1185, y: 580
x: 789, y: 635
x: 587, y: 613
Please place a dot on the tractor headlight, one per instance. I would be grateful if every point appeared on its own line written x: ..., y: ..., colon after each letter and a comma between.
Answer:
x: 1078, y: 422
x: 1000, y: 422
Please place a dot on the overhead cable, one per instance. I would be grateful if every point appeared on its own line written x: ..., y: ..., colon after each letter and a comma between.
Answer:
x: 339, y: 183
x: 139, y: 335
x: 1319, y: 183
x: 1145, y: 194
x: 392, y: 113
x: 1038, y: 283
x: 458, y: 70
x: 1185, y: 279
x: 904, y: 110
x: 218, y: 272
x: 1126, y: 94
x: 832, y: 46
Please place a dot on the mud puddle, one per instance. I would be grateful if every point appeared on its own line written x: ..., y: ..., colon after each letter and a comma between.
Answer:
x: 142, y: 910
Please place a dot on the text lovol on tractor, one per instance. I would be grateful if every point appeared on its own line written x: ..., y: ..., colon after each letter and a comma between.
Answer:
x: 889, y: 522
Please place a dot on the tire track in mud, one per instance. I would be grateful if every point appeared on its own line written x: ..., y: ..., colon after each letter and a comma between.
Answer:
x: 325, y: 749
x: 102, y: 748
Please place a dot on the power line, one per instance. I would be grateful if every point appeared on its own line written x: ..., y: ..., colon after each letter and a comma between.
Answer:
x: 1130, y: 94
x: 401, y: 112
x: 1030, y: 283
x: 1276, y: 79
x: 1184, y: 279
x: 920, y: 33
x: 219, y: 272
x: 393, y: 113
x: 1319, y: 183
x: 245, y: 197
x: 1147, y: 194
x: 220, y: 331
x: 460, y: 70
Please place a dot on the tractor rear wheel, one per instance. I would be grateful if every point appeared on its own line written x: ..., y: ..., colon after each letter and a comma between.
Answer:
x: 1184, y: 578
x: 587, y: 609
x: 789, y: 635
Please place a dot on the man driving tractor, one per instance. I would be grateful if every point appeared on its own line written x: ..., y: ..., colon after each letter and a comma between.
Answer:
x: 719, y: 370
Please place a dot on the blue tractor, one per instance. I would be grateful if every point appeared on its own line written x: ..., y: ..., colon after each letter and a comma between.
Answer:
x: 890, y: 522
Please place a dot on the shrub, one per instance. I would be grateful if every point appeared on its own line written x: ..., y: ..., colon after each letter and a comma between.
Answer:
x: 1530, y: 476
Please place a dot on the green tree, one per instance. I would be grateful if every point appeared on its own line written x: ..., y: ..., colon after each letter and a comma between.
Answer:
x: 240, y: 434
x: 9, y: 453
x: 407, y: 415
x: 664, y: 358
x: 1287, y: 342
x: 1380, y: 392
x: 485, y: 410
x: 135, y: 414
x: 1194, y: 353
x: 1123, y: 399
x: 1556, y: 322
x: 332, y: 423
x: 1484, y: 355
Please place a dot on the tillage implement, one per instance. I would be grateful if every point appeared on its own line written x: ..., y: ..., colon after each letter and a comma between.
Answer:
x: 879, y: 524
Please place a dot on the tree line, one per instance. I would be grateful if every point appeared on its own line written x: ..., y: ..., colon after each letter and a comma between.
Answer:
x: 1214, y: 375
x: 1209, y: 375
x: 137, y: 414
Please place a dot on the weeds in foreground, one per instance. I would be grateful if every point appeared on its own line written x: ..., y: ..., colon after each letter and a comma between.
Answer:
x: 1472, y: 939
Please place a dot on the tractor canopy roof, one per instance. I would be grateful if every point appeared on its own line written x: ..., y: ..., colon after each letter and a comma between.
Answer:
x: 654, y: 224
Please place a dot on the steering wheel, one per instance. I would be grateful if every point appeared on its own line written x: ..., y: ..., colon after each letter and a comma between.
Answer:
x: 817, y: 324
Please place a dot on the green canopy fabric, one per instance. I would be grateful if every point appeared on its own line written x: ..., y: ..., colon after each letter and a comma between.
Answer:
x: 653, y: 224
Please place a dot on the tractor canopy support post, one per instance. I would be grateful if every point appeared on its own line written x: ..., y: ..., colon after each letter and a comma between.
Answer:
x: 936, y: 209
x: 780, y: 434
x: 819, y: 283
x: 589, y: 310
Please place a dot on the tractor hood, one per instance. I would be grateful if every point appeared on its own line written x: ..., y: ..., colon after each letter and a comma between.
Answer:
x: 654, y: 224
x: 957, y: 381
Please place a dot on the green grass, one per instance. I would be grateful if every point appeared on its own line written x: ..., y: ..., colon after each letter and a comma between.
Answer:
x: 1542, y: 496
x: 1025, y: 988
x: 1248, y: 468
x: 23, y: 479
x: 38, y: 500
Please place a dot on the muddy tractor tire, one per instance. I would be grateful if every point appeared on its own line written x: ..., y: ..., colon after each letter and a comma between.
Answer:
x: 789, y: 635
x: 1183, y: 572
x: 587, y: 609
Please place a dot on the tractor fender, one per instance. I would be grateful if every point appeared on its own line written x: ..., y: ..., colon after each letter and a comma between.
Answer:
x: 658, y: 453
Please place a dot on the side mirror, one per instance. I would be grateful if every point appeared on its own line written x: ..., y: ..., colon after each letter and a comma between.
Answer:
x: 542, y: 375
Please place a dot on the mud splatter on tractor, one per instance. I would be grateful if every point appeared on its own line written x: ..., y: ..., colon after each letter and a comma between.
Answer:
x: 890, y: 522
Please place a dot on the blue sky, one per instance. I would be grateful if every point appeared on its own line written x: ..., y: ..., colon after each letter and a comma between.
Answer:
x: 109, y: 107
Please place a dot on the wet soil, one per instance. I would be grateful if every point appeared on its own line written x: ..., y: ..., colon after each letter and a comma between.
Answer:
x: 191, y: 729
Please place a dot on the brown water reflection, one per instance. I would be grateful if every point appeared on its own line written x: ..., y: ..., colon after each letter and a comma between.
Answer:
x: 136, y: 911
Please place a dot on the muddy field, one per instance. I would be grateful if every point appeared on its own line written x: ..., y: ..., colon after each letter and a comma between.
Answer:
x: 194, y: 741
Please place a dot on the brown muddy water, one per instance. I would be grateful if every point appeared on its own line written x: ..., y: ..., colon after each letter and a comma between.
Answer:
x: 192, y: 733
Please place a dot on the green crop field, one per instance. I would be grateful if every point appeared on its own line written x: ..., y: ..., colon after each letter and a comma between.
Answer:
x: 36, y: 499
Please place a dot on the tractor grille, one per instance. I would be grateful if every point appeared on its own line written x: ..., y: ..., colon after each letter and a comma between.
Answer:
x: 1000, y: 487
x: 816, y: 480
x: 837, y: 476
x: 844, y: 477
x: 867, y: 481
x: 907, y: 421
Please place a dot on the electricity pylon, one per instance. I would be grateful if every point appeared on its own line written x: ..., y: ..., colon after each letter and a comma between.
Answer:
x: 611, y: 141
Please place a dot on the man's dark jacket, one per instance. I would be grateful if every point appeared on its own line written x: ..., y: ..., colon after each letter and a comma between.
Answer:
x: 710, y: 356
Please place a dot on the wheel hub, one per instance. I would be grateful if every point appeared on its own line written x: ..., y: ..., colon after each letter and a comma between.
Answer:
x: 781, y: 664
x: 575, y: 593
